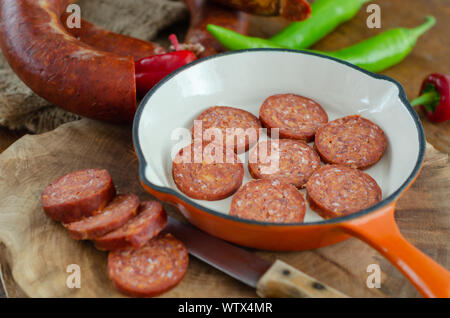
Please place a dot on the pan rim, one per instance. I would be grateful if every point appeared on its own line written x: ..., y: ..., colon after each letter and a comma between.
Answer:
x: 390, y: 199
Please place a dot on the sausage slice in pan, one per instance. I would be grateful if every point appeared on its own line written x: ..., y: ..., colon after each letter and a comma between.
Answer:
x: 335, y: 191
x: 295, y: 116
x: 351, y: 141
x: 269, y: 201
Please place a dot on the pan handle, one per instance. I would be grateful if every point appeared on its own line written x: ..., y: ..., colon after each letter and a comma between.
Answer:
x: 379, y: 230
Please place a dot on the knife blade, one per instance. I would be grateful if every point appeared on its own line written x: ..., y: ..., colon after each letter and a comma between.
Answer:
x: 234, y: 261
x: 271, y: 279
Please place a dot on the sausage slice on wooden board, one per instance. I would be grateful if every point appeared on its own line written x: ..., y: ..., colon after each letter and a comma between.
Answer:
x: 352, y: 141
x: 204, y: 12
x: 150, y: 270
x: 295, y: 116
x: 149, y: 222
x: 269, y: 201
x: 78, y: 194
x: 335, y: 191
x: 111, y: 42
x: 291, y: 161
x: 121, y: 209
x: 228, y: 119
x: 215, y: 176
x: 294, y: 10
x: 64, y: 71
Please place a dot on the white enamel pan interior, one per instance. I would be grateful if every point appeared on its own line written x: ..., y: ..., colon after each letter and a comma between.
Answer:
x: 243, y: 79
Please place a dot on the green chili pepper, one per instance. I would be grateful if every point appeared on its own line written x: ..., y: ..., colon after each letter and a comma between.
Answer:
x: 235, y: 41
x: 374, y: 54
x: 326, y: 16
x: 385, y: 49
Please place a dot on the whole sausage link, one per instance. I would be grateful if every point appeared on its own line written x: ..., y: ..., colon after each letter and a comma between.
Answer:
x: 294, y: 10
x: 203, y: 12
x: 107, y: 41
x: 81, y: 78
x: 61, y: 69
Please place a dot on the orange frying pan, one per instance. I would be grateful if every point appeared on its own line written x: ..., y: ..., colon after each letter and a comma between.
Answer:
x: 244, y: 79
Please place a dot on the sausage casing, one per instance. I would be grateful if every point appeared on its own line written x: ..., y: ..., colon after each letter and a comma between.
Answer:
x: 61, y: 69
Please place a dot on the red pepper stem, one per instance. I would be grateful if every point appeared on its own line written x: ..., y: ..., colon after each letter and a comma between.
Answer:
x: 174, y: 40
x: 426, y: 99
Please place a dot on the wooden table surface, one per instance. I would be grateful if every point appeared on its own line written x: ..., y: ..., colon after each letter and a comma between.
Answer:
x: 430, y: 54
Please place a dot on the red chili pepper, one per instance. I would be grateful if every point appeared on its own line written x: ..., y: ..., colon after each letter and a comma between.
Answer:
x: 150, y: 70
x: 434, y: 97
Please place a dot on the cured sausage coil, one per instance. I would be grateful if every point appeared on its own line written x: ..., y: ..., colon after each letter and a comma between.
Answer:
x: 294, y: 10
x: 90, y: 71
x: 112, y: 42
x: 61, y: 69
x: 203, y: 12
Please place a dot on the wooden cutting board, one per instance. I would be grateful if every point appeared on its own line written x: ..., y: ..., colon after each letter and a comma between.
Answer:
x: 36, y: 251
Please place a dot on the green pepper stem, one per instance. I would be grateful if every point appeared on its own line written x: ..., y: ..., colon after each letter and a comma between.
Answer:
x: 421, y: 29
x: 426, y: 100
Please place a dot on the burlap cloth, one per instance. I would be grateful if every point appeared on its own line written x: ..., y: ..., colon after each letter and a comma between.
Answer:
x: 20, y: 108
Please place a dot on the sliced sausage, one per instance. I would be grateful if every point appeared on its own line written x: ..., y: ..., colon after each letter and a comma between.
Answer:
x: 64, y: 71
x: 336, y: 190
x: 351, y: 141
x: 114, y: 215
x: 203, y: 12
x: 241, y: 126
x: 207, y: 173
x: 295, y: 116
x: 150, y: 270
x: 111, y: 42
x: 78, y: 194
x: 290, y: 161
x: 150, y: 220
x: 269, y: 201
x: 294, y: 10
